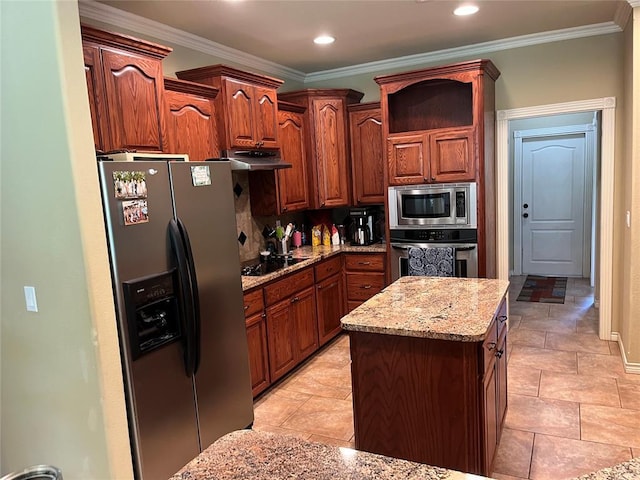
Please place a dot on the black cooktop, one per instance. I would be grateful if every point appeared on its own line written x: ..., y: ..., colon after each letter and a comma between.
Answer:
x: 256, y: 268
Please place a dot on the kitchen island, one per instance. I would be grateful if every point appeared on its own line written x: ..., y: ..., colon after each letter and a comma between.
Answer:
x: 429, y: 371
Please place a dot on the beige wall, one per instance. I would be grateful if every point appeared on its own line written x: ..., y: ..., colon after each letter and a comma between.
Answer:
x: 630, y: 321
x: 62, y: 394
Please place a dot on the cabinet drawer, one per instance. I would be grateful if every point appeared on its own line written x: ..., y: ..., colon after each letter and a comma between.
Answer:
x: 489, y: 345
x: 328, y: 268
x: 253, y: 303
x: 287, y: 286
x: 362, y: 286
x: 365, y: 262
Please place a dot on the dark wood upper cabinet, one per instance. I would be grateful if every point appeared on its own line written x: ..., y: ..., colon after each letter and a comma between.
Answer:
x: 327, y: 143
x: 191, y: 119
x: 367, y: 156
x: 284, y: 190
x: 247, y: 105
x: 448, y: 113
x: 126, y: 91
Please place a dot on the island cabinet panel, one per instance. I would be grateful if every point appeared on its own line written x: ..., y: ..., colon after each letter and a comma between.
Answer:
x: 191, y: 119
x: 247, y: 105
x: 257, y: 341
x: 417, y: 399
x: 367, y: 159
x: 126, y: 88
x: 327, y: 143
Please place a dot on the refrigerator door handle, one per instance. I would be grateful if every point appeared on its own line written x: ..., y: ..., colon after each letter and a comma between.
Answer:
x: 193, y: 280
x: 186, y: 303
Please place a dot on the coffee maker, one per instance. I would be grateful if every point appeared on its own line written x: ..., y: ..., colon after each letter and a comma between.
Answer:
x: 362, y: 230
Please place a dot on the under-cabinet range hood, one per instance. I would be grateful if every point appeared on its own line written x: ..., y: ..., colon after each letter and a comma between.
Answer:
x: 257, y: 159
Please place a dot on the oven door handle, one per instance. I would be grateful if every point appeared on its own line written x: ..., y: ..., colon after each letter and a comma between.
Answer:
x: 459, y: 247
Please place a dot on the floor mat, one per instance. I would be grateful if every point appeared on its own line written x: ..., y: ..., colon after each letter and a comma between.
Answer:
x: 543, y: 289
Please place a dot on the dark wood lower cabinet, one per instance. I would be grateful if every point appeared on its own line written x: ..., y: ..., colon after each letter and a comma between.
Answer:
x: 280, y: 327
x: 303, y: 312
x: 431, y: 401
x: 258, y: 353
x: 331, y: 307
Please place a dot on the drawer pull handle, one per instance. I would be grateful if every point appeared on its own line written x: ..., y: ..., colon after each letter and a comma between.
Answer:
x: 364, y: 263
x: 499, y: 353
x: 502, y: 318
x: 491, y: 346
x: 366, y: 287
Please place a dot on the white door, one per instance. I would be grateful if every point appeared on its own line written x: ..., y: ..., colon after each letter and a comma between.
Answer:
x: 553, y: 205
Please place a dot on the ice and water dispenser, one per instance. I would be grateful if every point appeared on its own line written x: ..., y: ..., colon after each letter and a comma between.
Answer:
x: 152, y: 312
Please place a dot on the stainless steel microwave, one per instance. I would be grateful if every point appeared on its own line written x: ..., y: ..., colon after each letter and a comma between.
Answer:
x: 443, y: 205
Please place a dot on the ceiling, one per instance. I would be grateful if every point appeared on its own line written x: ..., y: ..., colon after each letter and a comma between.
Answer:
x: 366, y: 30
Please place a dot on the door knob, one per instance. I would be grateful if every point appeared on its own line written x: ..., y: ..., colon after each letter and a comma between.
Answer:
x: 526, y: 205
x: 525, y: 215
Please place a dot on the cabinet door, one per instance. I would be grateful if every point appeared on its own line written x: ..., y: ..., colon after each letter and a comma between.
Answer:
x: 490, y: 417
x: 367, y: 162
x: 191, y: 126
x: 330, y: 299
x: 280, y: 338
x: 239, y: 113
x: 331, y: 152
x: 292, y: 182
x: 303, y: 309
x: 134, y: 95
x: 95, y: 88
x: 451, y: 155
x: 501, y: 380
x: 407, y: 157
x: 258, y: 353
x: 266, y: 117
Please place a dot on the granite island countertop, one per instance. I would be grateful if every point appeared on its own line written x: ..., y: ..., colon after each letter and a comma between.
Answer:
x: 247, y: 454
x: 458, y: 309
x: 310, y: 255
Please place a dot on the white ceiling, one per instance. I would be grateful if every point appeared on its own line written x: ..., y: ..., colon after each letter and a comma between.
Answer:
x: 366, y: 31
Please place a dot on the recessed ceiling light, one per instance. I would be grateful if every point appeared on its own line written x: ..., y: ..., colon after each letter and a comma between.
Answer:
x: 465, y: 10
x: 324, y: 40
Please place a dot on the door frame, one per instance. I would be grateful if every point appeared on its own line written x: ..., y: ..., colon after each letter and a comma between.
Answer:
x: 589, y: 132
x: 607, y: 106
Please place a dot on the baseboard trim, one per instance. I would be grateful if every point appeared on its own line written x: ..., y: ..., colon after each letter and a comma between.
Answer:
x: 629, y: 367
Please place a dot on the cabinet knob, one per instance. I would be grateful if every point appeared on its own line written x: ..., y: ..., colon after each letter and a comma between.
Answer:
x: 319, y: 287
x: 295, y: 299
x: 502, y: 318
x: 366, y: 287
x: 284, y: 209
x: 491, y: 346
x: 499, y: 353
x: 264, y: 315
x: 322, y: 204
x: 246, y: 307
x: 426, y: 179
x: 433, y: 179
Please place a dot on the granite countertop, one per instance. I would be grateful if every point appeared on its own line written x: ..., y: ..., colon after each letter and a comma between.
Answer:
x: 623, y: 471
x: 458, y: 309
x: 246, y: 454
x: 311, y: 255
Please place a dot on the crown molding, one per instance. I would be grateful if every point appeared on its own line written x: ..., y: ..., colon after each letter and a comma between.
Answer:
x: 623, y: 13
x: 466, y: 51
x: 104, y: 13
x: 634, y: 3
x: 119, y: 18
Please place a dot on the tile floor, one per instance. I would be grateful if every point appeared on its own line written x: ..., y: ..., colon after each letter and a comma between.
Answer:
x: 572, y: 409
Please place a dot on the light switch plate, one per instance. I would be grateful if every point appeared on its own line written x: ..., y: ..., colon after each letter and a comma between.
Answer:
x: 30, y: 299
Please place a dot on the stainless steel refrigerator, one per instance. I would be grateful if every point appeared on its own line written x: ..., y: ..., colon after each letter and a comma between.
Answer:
x: 176, y: 276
